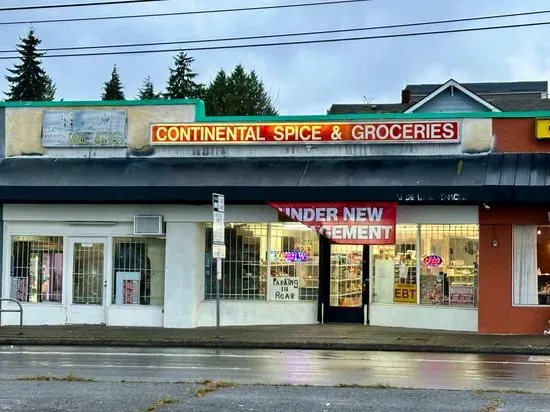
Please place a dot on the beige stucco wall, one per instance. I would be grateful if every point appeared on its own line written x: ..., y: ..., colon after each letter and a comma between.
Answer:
x: 24, y: 124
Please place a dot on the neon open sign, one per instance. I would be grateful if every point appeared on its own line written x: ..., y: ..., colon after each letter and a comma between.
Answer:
x: 433, y: 260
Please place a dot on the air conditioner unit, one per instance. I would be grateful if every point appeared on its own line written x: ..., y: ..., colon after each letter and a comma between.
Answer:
x: 148, y: 225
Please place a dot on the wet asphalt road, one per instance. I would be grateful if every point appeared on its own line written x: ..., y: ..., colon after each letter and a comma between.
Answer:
x: 27, y: 396
x: 288, y: 367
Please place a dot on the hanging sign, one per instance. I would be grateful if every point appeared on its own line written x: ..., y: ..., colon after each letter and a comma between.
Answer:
x: 390, y: 131
x: 356, y: 223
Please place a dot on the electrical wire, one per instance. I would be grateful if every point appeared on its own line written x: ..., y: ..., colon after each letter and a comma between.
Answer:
x: 183, y: 13
x: 297, y: 34
x: 72, y: 5
x: 292, y: 43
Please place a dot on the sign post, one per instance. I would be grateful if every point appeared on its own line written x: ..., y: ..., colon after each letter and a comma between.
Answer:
x: 218, y: 247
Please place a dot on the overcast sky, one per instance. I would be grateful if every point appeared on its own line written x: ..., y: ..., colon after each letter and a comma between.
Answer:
x: 304, y: 79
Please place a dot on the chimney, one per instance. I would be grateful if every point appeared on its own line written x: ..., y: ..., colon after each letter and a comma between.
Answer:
x: 405, y: 96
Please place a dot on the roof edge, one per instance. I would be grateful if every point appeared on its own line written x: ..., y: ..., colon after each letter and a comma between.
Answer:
x: 106, y: 103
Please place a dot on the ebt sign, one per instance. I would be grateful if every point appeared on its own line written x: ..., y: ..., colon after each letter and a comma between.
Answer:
x: 346, y: 223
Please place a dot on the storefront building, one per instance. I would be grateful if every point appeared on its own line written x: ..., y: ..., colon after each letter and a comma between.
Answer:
x: 424, y: 220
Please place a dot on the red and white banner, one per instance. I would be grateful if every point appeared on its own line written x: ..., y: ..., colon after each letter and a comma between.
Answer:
x: 357, y: 223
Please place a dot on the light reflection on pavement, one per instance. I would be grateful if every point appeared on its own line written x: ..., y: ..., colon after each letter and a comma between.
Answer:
x: 315, y: 367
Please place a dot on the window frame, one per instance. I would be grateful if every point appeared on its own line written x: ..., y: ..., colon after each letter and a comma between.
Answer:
x: 9, y: 251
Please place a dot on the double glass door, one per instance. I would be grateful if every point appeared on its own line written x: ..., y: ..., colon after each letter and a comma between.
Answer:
x: 88, y: 281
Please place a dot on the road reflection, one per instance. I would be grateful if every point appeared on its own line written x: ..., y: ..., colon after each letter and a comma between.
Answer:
x: 331, y: 368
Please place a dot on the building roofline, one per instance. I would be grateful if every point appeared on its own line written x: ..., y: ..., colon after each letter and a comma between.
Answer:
x: 457, y: 85
x: 200, y: 115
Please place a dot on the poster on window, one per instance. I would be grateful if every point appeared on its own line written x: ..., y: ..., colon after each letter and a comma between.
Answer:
x: 461, y: 295
x: 283, y: 288
x: 19, y: 289
x: 355, y: 223
x: 127, y: 288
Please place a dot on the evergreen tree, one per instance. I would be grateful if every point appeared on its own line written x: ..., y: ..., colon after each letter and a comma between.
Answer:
x: 28, y: 80
x: 240, y: 94
x: 51, y: 88
x: 147, y: 92
x: 182, y: 84
x: 113, y: 89
x: 215, y: 98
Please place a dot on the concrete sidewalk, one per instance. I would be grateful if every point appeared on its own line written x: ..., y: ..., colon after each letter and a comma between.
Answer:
x: 328, y: 336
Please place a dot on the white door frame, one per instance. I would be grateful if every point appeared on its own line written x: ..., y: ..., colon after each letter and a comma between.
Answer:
x: 78, y: 313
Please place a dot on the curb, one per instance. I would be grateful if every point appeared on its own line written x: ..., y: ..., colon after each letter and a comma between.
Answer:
x: 236, y: 344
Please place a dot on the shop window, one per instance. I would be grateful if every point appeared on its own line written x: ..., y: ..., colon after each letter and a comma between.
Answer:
x: 429, y: 264
x: 36, y: 268
x: 395, y: 268
x: 531, y: 265
x: 293, y: 262
x: 449, y: 264
x: 138, y: 271
x: 278, y: 261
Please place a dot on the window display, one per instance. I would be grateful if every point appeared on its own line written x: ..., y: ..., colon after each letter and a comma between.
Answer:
x: 395, y: 268
x: 444, y: 256
x: 448, y: 271
x: 265, y: 261
x: 346, y: 276
x: 36, y: 268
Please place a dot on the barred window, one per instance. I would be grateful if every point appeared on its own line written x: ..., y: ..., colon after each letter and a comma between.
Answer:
x: 452, y: 278
x: 278, y: 261
x: 36, y: 268
x: 138, y: 271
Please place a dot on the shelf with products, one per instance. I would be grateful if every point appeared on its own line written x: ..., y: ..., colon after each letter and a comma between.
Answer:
x: 346, y: 279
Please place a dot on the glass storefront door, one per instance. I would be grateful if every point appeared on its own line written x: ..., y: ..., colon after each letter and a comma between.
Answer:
x: 87, y: 302
x: 347, y: 292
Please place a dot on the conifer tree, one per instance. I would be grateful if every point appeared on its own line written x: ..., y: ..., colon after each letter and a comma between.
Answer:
x: 113, y: 89
x: 147, y: 92
x: 28, y: 80
x: 240, y: 94
x: 181, y: 83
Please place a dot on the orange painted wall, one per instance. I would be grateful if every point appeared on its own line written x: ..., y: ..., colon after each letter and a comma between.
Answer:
x: 496, y: 313
x: 517, y: 136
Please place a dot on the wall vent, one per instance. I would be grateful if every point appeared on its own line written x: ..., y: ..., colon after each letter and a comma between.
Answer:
x: 148, y: 225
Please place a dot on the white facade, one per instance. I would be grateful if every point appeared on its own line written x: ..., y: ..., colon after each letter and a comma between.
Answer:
x: 184, y: 269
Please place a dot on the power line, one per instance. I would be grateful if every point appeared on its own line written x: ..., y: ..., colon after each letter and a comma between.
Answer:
x: 292, y: 43
x: 296, y: 34
x: 71, y: 5
x: 182, y: 13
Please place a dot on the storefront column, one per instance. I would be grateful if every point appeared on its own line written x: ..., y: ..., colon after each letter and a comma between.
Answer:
x: 183, y: 274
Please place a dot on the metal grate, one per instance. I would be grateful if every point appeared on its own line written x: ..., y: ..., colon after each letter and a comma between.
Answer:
x: 88, y: 272
x: 454, y: 281
x: 294, y: 252
x: 36, y: 268
x: 138, y: 271
x: 256, y: 252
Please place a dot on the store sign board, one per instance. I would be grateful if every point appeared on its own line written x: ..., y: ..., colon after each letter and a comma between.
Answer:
x: 391, y: 132
x: 542, y: 129
x: 404, y: 293
x: 357, y: 223
x: 84, y: 128
x: 283, y: 288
